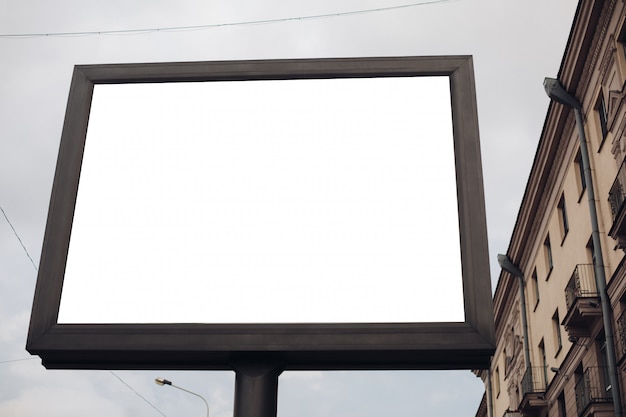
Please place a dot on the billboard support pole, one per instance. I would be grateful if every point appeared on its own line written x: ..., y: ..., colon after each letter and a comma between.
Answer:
x: 256, y: 389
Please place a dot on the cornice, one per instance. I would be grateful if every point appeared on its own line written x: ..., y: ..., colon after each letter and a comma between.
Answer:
x: 607, y: 60
x: 584, y: 45
x: 596, y: 48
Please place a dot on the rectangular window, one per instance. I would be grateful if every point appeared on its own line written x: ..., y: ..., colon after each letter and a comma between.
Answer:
x: 556, y: 328
x: 506, y: 363
x: 496, y: 381
x: 603, y: 119
x: 561, y: 404
x: 622, y: 39
x: 544, y: 363
x: 580, y: 178
x: 548, y: 252
x: 591, y: 256
x: 563, y: 218
x: 535, y: 284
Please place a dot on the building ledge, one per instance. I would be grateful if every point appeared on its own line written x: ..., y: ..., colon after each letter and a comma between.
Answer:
x: 598, y: 409
x: 581, y: 315
x: 533, y: 404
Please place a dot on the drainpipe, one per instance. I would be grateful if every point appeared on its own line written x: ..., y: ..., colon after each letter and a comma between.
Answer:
x: 489, y: 397
x: 556, y: 92
x: 508, y: 266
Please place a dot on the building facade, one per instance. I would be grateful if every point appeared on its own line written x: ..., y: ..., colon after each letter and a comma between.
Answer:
x: 571, y: 285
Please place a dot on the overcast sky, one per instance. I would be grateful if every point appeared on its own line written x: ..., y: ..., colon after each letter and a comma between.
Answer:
x: 514, y: 45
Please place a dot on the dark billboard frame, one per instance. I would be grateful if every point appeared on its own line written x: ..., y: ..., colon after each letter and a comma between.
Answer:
x: 341, y: 346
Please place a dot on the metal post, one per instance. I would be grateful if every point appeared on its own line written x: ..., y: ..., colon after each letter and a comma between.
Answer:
x: 506, y: 264
x: 489, y: 394
x: 256, y: 389
x: 522, y: 295
x: 557, y: 92
x: 599, y: 268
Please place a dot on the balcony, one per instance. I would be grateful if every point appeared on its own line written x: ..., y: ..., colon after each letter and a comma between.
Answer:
x: 617, y: 196
x: 534, y: 391
x: 509, y: 413
x: 592, y: 396
x: 583, y: 302
x: 620, y: 336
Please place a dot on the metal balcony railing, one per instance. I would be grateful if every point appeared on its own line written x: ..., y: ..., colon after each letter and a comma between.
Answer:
x: 620, y: 327
x: 592, y: 388
x: 534, y: 380
x: 512, y: 414
x: 617, y: 194
x: 581, y: 284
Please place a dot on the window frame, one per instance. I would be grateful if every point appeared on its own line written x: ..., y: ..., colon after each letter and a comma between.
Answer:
x: 602, y: 118
x: 547, y: 247
x: 580, y: 176
x: 563, y: 220
x: 556, y: 328
x: 535, y: 282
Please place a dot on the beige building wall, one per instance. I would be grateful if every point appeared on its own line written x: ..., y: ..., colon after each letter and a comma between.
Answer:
x: 551, y: 243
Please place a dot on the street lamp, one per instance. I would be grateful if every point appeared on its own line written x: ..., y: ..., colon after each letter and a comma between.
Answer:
x: 556, y: 91
x: 508, y: 266
x: 163, y: 381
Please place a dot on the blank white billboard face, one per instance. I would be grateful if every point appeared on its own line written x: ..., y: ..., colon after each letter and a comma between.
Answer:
x: 285, y: 201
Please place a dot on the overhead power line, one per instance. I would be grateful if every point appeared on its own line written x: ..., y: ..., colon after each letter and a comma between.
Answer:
x: 18, y: 238
x: 27, y: 359
x: 18, y: 360
x: 138, y: 394
x: 215, y: 25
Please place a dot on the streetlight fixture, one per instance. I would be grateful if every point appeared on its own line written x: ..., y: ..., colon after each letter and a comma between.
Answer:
x: 507, y: 265
x: 556, y: 91
x: 163, y: 381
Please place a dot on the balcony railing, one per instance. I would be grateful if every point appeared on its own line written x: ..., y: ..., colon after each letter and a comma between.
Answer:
x: 591, y: 388
x: 512, y: 414
x: 581, y: 284
x: 534, y: 380
x: 620, y: 326
x: 617, y: 194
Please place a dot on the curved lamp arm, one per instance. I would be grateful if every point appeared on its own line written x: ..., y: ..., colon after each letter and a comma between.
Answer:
x: 163, y: 381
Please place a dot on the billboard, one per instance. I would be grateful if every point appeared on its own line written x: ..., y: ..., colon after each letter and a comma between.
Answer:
x: 319, y: 213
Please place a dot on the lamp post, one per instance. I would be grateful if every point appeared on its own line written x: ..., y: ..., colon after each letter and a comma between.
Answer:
x: 162, y: 381
x: 508, y: 266
x: 554, y: 90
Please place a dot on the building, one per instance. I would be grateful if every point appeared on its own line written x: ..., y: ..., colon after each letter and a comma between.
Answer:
x: 567, y: 277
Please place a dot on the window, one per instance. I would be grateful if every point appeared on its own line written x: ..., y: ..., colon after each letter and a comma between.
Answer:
x: 602, y: 119
x: 535, y: 284
x: 622, y: 39
x: 603, y: 377
x: 496, y: 382
x: 507, y: 368
x: 591, y: 255
x: 563, y: 218
x: 556, y: 328
x: 544, y: 363
x: 561, y: 405
x: 580, y: 178
x: 548, y: 252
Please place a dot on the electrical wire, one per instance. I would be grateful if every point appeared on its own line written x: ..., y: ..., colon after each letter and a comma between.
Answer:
x: 18, y: 238
x: 17, y: 360
x: 217, y: 25
x: 138, y: 394
x: 28, y: 359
